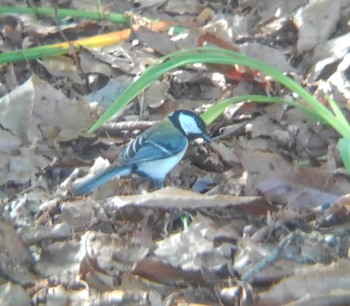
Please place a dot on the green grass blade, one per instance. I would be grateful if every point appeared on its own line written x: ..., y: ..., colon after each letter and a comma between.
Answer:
x: 216, y: 110
x: 65, y: 47
x: 336, y: 110
x: 63, y: 13
x: 30, y: 54
x: 344, y: 149
x: 213, y: 55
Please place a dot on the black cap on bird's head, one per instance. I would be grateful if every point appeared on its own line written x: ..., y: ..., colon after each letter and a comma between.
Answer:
x: 190, y: 124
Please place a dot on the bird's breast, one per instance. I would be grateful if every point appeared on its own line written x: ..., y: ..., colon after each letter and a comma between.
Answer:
x: 158, y: 169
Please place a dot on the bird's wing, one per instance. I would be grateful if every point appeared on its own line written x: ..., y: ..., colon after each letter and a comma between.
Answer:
x: 161, y: 141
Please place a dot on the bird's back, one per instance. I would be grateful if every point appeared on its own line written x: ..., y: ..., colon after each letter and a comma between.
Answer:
x: 152, y: 144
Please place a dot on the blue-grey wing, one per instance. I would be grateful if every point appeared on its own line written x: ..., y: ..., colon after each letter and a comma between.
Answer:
x: 158, y: 142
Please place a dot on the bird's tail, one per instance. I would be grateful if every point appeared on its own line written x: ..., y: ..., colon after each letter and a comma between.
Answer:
x: 101, y: 178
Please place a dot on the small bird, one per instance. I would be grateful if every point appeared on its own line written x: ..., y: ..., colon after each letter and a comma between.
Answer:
x: 153, y: 153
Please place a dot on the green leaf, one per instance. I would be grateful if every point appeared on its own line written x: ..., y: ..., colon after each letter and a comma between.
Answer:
x: 213, y: 55
x: 344, y: 149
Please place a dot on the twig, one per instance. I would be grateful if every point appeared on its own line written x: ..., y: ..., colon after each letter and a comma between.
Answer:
x: 276, y: 254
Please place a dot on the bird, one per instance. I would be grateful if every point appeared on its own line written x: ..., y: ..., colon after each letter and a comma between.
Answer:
x: 153, y: 153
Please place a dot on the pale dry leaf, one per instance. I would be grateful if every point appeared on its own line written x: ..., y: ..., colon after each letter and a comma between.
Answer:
x: 90, y: 64
x: 15, y: 256
x: 340, y: 79
x: 15, y: 248
x: 149, y: 3
x: 135, y: 282
x: 266, y: 166
x: 62, y: 66
x: 74, y: 293
x: 221, y: 27
x: 35, y: 111
x: 61, y: 258
x: 8, y: 142
x: 171, y: 197
x: 78, y: 215
x: 133, y: 296
x: 262, y: 166
x: 226, y: 153
x: 13, y: 294
x: 39, y: 233
x: 187, y: 248
x: 316, y: 22
x: 267, y: 55
x: 183, y: 7
x: 158, y: 41
x: 10, y: 77
x: 261, y: 126
x: 106, y: 95
x: 267, y: 9
x: 25, y: 165
x: 124, y: 57
x: 32, y: 24
x: 21, y: 167
x: 15, y: 111
x: 112, y: 255
x: 298, y: 197
x: 308, y: 281
x: 280, y: 182
x: 330, y: 52
x: 155, y: 94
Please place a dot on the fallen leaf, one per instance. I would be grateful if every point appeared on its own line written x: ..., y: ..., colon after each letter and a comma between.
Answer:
x: 171, y: 197
x: 316, y: 22
x: 308, y: 283
x: 13, y: 294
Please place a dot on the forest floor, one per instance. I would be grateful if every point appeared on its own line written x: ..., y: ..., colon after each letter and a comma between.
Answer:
x: 256, y: 217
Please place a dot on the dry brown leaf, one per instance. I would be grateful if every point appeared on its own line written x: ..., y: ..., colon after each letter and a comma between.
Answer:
x: 190, y: 256
x: 72, y: 293
x: 183, y: 7
x: 8, y: 142
x: 282, y: 183
x: 15, y: 257
x: 171, y: 197
x: 159, y: 42
x: 10, y: 241
x: 37, y: 111
x: 311, y: 281
x: 13, y: 294
x: 316, y: 22
x: 61, y: 258
x: 158, y: 271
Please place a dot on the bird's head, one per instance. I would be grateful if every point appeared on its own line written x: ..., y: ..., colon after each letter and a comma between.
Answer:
x: 190, y: 124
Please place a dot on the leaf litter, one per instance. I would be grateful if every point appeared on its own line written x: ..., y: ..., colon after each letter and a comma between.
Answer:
x: 260, y: 217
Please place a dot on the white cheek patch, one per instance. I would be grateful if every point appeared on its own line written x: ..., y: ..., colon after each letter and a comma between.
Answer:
x: 189, y: 124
